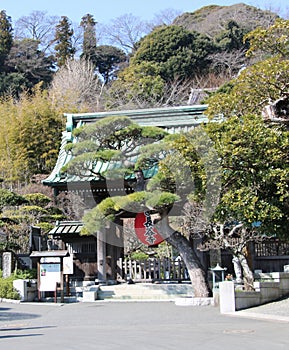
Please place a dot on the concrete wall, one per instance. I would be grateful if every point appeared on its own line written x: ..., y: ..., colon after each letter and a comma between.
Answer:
x: 26, y: 288
x: 231, y: 300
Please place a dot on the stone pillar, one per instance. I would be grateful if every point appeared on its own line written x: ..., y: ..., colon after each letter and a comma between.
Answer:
x: 227, y: 297
x: 101, y: 256
x: 7, y: 264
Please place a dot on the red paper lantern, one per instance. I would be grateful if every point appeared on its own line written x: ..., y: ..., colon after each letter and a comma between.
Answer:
x: 145, y: 230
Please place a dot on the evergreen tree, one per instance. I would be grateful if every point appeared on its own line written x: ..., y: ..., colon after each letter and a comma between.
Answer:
x: 89, y: 37
x: 6, y: 37
x: 63, y: 38
x: 232, y: 37
x: 178, y: 52
x: 107, y: 60
x: 26, y: 59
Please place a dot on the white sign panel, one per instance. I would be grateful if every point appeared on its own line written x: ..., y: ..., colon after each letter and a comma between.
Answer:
x: 68, y: 265
x: 49, y: 260
x: 50, y: 274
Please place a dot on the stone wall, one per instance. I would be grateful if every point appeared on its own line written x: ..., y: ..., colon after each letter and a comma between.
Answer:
x: 275, y: 287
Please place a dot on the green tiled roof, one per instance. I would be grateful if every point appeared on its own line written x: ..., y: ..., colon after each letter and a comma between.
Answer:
x: 173, y: 119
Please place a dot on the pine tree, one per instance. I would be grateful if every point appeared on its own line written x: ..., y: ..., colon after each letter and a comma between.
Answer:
x: 64, y: 48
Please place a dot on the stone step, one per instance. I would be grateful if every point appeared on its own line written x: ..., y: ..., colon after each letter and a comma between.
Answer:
x: 144, y: 291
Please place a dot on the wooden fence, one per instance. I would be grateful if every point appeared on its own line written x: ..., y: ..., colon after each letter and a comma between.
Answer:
x: 152, y: 270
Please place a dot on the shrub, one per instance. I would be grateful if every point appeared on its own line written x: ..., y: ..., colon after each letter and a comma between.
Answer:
x: 8, y: 198
x: 7, y: 290
x: 25, y: 274
x: 37, y: 199
x: 139, y: 256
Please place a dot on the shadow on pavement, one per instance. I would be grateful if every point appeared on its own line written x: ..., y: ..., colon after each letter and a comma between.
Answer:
x: 13, y: 329
x: 19, y: 336
x: 6, y: 315
x: 6, y: 329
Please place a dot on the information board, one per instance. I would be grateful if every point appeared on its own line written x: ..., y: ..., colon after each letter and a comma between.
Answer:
x: 50, y: 274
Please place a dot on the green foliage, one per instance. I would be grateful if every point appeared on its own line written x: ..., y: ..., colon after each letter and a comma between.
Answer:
x: 255, y: 172
x: 6, y: 37
x: 178, y: 156
x: 97, y: 217
x: 107, y: 210
x: 254, y: 89
x: 27, y: 60
x: 23, y: 65
x: 30, y: 135
x: 63, y: 38
x: 106, y: 147
x: 232, y: 38
x: 34, y: 210
x: 254, y: 154
x: 8, y: 198
x: 48, y: 226
x: 138, y: 83
x: 12, y: 83
x: 161, y: 200
x: 139, y: 256
x: 260, y: 84
x: 9, y: 246
x: 21, y: 215
x: 134, y: 202
x: 38, y: 199
x: 178, y: 52
x: 7, y: 290
x: 270, y: 41
x: 25, y: 274
x: 107, y: 59
x: 89, y: 37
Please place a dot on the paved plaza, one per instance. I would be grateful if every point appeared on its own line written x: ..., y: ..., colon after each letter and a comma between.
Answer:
x: 134, y: 326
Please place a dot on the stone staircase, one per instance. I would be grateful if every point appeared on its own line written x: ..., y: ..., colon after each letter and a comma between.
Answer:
x: 144, y: 291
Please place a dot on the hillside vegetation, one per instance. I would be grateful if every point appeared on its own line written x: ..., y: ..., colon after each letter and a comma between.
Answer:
x: 210, y: 20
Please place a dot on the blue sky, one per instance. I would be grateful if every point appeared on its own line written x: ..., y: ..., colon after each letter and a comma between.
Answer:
x: 106, y: 10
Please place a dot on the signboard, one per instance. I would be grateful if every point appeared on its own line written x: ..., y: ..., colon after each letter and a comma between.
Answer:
x: 50, y: 274
x: 145, y: 230
x: 68, y: 265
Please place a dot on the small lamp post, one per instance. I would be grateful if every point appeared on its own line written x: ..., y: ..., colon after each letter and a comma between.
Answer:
x: 216, y: 273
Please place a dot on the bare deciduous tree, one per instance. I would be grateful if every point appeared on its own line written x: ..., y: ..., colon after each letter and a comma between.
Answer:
x: 125, y: 31
x: 175, y: 93
x: 71, y: 204
x: 229, y: 61
x: 75, y: 87
x: 165, y: 17
x: 38, y: 26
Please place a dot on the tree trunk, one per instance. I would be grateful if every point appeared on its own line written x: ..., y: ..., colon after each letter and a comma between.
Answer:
x: 189, y: 256
x: 240, y: 260
x: 247, y: 273
x: 238, y: 269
